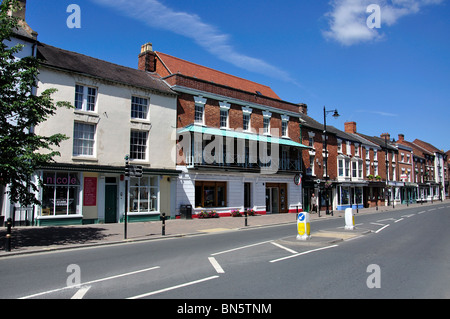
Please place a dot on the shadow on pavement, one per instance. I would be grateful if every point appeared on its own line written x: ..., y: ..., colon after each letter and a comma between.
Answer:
x: 47, y: 236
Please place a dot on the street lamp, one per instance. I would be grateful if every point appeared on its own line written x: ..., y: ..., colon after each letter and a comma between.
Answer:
x: 335, y: 115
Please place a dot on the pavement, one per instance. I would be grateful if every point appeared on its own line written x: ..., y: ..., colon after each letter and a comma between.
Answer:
x: 26, y: 240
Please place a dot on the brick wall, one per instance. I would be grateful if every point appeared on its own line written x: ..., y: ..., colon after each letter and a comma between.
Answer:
x: 319, y: 154
x: 197, y: 84
x: 186, y: 115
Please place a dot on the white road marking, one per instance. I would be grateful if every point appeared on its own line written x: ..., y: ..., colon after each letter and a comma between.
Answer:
x: 285, y: 248
x: 398, y: 220
x: 422, y: 212
x: 91, y: 282
x: 303, y: 253
x: 407, y: 216
x: 431, y: 209
x: 173, y: 287
x: 378, y: 224
x: 216, y: 265
x: 385, y: 220
x: 81, y: 292
x: 238, y: 248
x: 381, y: 229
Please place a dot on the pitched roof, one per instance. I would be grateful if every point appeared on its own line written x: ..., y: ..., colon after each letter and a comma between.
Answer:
x: 312, y: 123
x: 82, y: 64
x: 427, y: 146
x: 175, y: 65
x: 417, y: 151
x: 379, y: 141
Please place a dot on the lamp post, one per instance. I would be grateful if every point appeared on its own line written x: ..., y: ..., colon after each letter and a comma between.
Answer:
x: 387, y: 168
x: 335, y: 115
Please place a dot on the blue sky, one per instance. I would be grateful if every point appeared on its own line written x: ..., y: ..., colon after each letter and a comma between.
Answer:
x: 392, y: 79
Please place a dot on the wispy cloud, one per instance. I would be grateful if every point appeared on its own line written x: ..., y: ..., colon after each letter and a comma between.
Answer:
x: 157, y: 15
x: 347, y: 18
x: 378, y: 113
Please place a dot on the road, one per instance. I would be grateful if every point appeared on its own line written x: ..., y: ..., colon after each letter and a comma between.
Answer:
x: 409, y: 248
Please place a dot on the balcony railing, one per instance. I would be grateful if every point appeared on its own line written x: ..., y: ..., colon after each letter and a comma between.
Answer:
x: 243, y: 162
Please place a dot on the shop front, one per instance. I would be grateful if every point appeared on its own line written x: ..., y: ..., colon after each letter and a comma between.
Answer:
x: 97, y: 195
x: 410, y: 193
x: 350, y: 195
x: 374, y: 194
x: 224, y: 193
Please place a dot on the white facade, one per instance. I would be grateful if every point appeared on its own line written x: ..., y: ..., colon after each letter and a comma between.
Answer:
x: 110, y: 120
x: 439, y: 174
x: 259, y: 186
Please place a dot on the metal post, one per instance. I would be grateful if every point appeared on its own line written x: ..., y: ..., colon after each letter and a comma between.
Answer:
x: 326, y: 157
x: 318, y: 203
x: 246, y: 214
x: 163, y: 219
x: 8, y: 235
x: 126, y: 209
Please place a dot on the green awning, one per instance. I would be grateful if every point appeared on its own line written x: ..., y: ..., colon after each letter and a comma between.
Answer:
x: 241, y: 135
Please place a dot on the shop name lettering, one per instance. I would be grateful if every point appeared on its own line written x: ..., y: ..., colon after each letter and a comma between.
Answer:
x: 61, y: 180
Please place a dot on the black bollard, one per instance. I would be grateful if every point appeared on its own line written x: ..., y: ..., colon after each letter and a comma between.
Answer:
x: 163, y: 219
x: 246, y: 214
x: 8, y: 235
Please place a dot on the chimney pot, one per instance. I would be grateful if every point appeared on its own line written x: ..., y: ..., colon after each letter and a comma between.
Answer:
x: 147, y: 58
x: 148, y: 47
x: 386, y: 135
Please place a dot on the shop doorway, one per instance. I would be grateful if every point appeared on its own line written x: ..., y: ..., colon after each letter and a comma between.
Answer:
x: 276, y: 198
x: 110, y: 200
x: 248, y: 195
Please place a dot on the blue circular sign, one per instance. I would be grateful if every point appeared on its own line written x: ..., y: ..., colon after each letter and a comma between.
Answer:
x: 301, y: 217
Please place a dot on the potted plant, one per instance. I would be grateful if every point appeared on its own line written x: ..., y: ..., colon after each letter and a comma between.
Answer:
x: 213, y: 214
x: 235, y: 213
x: 210, y: 214
x: 378, y: 178
x: 251, y: 212
x: 370, y: 177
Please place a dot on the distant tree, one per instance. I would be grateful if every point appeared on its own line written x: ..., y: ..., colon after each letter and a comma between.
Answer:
x: 21, y: 150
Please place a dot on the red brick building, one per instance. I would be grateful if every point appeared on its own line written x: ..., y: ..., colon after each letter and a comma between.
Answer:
x: 381, y: 169
x: 239, y: 144
x: 422, y: 163
x: 436, y: 166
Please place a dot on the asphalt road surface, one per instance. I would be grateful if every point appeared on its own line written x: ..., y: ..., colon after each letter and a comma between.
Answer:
x: 399, y: 254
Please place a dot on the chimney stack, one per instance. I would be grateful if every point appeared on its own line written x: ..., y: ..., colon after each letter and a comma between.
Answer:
x: 147, y: 58
x: 303, y: 108
x: 401, y: 137
x: 386, y: 136
x: 20, y: 13
x: 350, y: 127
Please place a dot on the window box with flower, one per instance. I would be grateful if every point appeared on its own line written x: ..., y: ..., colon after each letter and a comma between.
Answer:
x: 208, y: 214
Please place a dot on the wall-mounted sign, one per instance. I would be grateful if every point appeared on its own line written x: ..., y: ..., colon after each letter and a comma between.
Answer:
x: 90, y: 191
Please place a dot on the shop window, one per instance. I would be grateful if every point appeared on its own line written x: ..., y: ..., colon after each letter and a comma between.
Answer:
x: 143, y: 194
x: 344, y: 195
x: 210, y: 194
x: 60, y: 193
